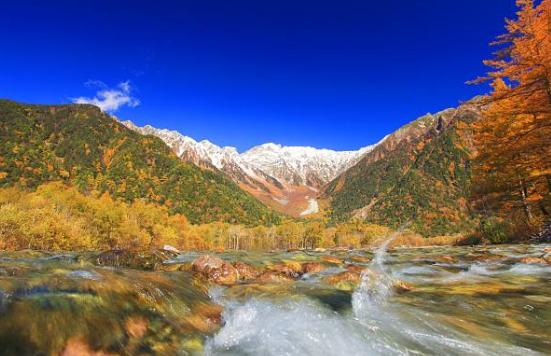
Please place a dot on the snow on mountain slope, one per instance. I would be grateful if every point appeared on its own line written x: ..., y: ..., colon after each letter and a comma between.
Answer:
x: 284, y: 177
x: 302, y: 165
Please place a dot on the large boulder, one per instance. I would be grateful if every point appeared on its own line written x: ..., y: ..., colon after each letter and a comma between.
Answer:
x: 245, y: 271
x: 312, y: 267
x: 215, y: 269
x: 287, y: 270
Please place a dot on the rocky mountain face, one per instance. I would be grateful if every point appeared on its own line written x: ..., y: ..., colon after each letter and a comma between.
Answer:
x: 286, y: 178
x: 419, y: 176
x: 81, y: 146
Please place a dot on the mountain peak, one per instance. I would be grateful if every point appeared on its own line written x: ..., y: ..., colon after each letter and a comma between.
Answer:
x: 270, y: 169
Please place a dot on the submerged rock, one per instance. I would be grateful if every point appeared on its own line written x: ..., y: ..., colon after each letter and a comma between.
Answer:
x: 401, y: 286
x: 446, y: 259
x: 485, y: 257
x: 533, y: 260
x: 215, y: 269
x: 347, y: 280
x: 273, y: 277
x: 136, y: 327
x: 205, y: 318
x: 355, y: 268
x: 12, y: 271
x: 360, y: 259
x: 294, y: 266
x: 144, y: 260
x: 332, y: 259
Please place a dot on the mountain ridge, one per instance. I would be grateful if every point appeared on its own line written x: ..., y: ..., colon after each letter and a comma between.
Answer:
x: 286, y: 178
x: 419, y: 175
x: 79, y: 144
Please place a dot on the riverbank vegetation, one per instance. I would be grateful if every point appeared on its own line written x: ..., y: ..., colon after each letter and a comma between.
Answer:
x: 59, y: 217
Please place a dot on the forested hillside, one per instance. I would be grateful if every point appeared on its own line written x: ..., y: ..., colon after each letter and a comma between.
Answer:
x: 419, y: 176
x: 79, y: 144
x: 483, y: 168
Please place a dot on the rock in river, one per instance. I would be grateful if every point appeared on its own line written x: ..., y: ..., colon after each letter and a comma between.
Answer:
x: 312, y: 267
x: 215, y: 269
x: 246, y: 272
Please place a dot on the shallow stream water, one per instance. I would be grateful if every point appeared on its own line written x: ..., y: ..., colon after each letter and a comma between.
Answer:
x: 463, y: 301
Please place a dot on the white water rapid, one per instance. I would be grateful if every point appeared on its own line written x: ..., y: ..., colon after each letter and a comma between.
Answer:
x: 375, y: 325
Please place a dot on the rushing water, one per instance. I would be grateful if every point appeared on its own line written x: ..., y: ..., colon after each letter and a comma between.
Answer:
x: 464, y: 301
x: 476, y: 320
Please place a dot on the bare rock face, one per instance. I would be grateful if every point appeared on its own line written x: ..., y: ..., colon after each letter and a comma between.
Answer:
x: 215, y: 269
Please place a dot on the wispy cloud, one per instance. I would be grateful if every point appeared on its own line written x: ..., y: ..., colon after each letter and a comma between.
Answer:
x: 109, y: 99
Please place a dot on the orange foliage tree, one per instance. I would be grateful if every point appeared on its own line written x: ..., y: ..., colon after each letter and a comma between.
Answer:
x: 514, y: 139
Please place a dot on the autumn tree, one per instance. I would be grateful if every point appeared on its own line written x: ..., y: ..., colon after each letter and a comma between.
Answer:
x: 513, y: 170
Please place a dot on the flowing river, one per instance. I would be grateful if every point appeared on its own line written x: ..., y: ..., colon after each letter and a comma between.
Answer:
x: 459, y: 301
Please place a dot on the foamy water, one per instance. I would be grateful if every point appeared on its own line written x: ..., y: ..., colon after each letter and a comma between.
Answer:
x: 375, y: 325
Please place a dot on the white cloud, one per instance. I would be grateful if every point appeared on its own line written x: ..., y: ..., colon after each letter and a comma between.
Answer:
x: 109, y: 99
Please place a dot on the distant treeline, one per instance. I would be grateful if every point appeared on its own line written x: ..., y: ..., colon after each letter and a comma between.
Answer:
x: 59, y: 217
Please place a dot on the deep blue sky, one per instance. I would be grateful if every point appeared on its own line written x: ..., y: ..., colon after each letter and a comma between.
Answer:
x: 336, y: 74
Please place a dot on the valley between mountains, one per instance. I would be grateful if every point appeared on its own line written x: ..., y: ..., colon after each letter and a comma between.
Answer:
x: 286, y: 178
x: 417, y: 173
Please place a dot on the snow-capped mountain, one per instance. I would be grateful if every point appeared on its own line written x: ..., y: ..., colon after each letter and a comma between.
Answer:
x: 299, y: 165
x: 286, y: 177
x: 208, y: 155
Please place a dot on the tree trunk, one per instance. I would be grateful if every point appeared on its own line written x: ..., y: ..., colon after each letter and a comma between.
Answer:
x: 543, y: 210
x: 548, y: 89
x: 524, y: 196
